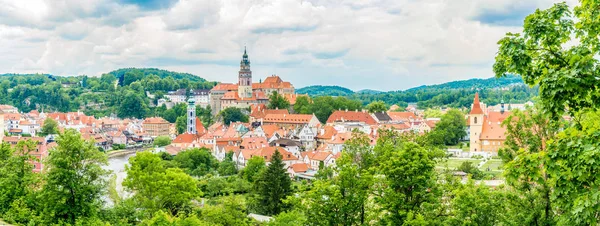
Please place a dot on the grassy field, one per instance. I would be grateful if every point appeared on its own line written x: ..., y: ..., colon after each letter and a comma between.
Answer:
x: 455, y: 163
x: 494, y: 165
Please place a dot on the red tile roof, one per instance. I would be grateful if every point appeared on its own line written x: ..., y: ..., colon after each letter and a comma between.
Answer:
x: 185, y: 138
x: 288, y: 118
x: 492, y: 128
x: 299, y: 167
x: 476, y: 105
x: 225, y: 87
x: 291, y: 97
x: 155, y: 120
x: 402, y: 116
x: 353, y: 116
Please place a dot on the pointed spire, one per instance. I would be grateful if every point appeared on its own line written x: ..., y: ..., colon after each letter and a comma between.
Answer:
x: 476, y: 109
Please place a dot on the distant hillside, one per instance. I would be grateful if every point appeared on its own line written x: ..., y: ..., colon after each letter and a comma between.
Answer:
x: 369, y: 91
x: 119, y: 73
x: 474, y: 83
x: 325, y: 91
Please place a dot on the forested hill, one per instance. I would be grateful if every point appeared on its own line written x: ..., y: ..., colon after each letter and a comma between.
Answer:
x: 98, y: 96
x: 452, y: 94
x: 158, y: 72
x: 318, y: 90
x: 475, y: 83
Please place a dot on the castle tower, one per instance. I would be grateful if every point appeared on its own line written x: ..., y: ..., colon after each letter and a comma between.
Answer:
x: 245, y: 77
x: 476, y: 118
x: 191, y: 117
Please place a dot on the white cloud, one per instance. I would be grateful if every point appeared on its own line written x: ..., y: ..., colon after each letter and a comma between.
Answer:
x: 376, y: 44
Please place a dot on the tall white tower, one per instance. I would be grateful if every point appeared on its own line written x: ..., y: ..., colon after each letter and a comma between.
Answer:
x: 245, y: 78
x: 191, y: 117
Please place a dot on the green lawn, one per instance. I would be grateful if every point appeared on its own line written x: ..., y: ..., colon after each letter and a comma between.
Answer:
x: 494, y: 165
x: 455, y: 163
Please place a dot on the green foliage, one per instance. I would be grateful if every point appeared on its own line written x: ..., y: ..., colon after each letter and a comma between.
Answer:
x: 205, y: 114
x: 469, y: 168
x: 302, y: 105
x: 476, y: 205
x: 162, y: 141
x: 196, y: 161
x: 253, y: 169
x: 452, y: 125
x: 409, y: 171
x: 230, y: 210
x: 75, y: 179
x: 271, y: 187
x: 181, y: 124
x: 157, y: 188
x: 277, y: 101
x: 344, y: 199
x: 557, y: 50
x: 227, y: 166
x: 288, y: 218
x: 376, y: 106
x: 231, y: 114
x: 50, y: 126
x: 132, y: 106
x: 324, y: 91
x: 433, y: 113
x: 17, y: 180
x: 324, y: 106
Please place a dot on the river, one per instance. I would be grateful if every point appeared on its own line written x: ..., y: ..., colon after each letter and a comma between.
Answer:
x: 116, y: 165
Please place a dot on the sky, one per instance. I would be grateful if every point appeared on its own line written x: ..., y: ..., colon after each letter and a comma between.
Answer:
x: 363, y: 44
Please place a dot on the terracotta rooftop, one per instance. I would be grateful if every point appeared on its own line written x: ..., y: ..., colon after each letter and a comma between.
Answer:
x: 476, y: 105
x: 402, y: 116
x: 155, y: 120
x: 288, y: 118
x: 225, y: 87
x: 299, y: 167
x: 492, y: 128
x: 352, y: 116
x: 185, y: 138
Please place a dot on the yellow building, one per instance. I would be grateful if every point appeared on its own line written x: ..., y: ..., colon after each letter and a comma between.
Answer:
x: 156, y: 126
x: 486, y: 132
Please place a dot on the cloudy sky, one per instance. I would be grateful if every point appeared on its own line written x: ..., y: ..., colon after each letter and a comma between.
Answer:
x: 360, y: 44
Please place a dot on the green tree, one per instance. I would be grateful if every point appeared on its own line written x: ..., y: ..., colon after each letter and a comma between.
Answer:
x: 132, y: 106
x: 75, y: 179
x: 476, y: 205
x: 557, y: 50
x: 161, y: 141
x: 288, y: 218
x: 227, y: 166
x: 344, y: 199
x: 18, y: 182
x: 181, y: 124
x: 432, y: 113
x: 253, y: 168
x: 196, y: 161
x: 410, y: 181
x: 277, y: 101
x: 50, y: 126
x: 302, y: 105
x: 272, y: 186
x: 452, y: 126
x: 229, y: 115
x: 376, y: 106
x: 230, y: 211
x: 157, y: 188
x: 469, y: 168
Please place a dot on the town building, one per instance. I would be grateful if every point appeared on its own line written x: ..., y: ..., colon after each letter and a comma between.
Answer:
x: 156, y: 126
x: 39, y: 154
x: 486, y: 133
x: 246, y: 93
x: 200, y: 96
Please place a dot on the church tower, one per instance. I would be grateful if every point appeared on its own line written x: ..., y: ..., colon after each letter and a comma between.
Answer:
x: 476, y: 118
x: 191, y: 117
x: 245, y: 77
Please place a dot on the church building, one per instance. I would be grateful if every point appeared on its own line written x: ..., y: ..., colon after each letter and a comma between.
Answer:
x: 486, y: 132
x: 246, y: 93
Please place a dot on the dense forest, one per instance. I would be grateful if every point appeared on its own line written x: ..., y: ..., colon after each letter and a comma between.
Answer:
x: 122, y: 92
x: 452, y: 94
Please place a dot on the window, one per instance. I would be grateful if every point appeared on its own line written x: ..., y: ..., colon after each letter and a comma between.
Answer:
x: 475, y: 120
